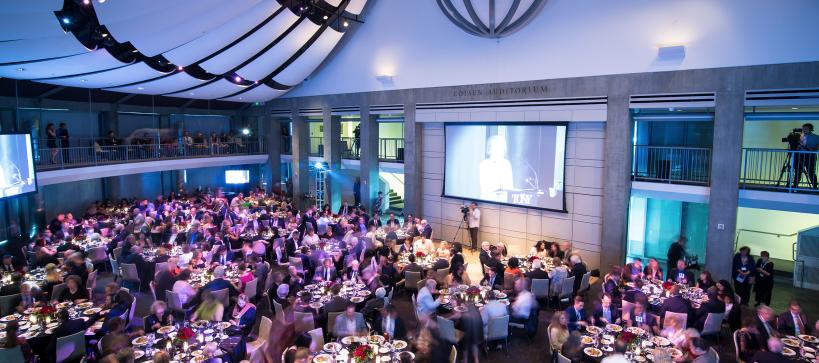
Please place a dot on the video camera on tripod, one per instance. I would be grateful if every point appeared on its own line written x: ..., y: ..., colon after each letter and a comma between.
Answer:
x: 793, y: 139
x: 465, y: 212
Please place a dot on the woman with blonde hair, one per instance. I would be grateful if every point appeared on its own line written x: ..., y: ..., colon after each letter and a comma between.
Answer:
x: 210, y: 309
x: 558, y: 331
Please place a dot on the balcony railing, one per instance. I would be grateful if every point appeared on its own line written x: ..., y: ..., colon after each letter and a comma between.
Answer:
x: 391, y: 150
x: 76, y: 157
x: 779, y: 170
x: 671, y: 164
x: 350, y: 148
x: 316, y: 146
x: 287, y: 145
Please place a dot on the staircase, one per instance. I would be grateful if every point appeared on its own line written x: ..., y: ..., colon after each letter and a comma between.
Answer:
x: 396, y: 202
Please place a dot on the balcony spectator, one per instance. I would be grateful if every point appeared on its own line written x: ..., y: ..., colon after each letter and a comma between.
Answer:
x: 187, y: 140
x: 51, y: 141
x: 62, y: 135
x: 111, y: 139
x: 806, y: 162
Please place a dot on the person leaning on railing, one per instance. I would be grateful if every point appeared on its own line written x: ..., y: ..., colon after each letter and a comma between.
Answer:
x: 806, y: 162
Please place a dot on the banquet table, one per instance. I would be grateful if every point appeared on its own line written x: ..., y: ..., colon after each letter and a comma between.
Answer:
x: 455, y: 298
x: 33, y: 277
x: 168, y: 338
x: 801, y: 348
x: 526, y: 263
x: 320, y: 293
x: 641, y: 346
x: 657, y: 292
x: 38, y: 323
x: 383, y: 349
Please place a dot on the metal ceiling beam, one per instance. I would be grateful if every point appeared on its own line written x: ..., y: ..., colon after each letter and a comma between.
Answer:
x: 126, y: 98
x: 51, y: 91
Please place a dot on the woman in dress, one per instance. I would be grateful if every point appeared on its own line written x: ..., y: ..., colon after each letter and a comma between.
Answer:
x: 210, y: 309
x: 75, y: 292
x: 514, y: 268
x: 51, y: 141
x: 558, y: 331
x: 158, y: 317
x: 742, y: 272
x: 539, y: 250
x: 764, y: 279
x: 244, y: 313
x: 705, y: 280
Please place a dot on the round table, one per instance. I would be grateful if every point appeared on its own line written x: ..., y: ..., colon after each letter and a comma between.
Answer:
x: 224, y: 334
x: 320, y: 293
x: 802, y: 347
x: 641, y: 346
x: 383, y: 349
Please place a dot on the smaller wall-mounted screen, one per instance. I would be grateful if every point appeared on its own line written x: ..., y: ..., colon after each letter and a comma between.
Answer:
x: 237, y: 176
x: 16, y: 165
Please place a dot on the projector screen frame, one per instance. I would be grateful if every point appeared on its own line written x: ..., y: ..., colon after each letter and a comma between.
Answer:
x: 33, y: 165
x: 509, y: 123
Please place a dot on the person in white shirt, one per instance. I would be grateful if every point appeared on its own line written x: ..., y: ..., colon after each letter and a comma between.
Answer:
x: 495, y: 172
x: 310, y: 237
x: 427, y: 304
x: 186, y: 256
x: 474, y: 222
x: 493, y: 309
x: 182, y: 288
x: 350, y: 323
x: 524, y: 303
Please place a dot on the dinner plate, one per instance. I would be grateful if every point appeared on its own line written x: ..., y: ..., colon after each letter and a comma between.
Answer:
x: 500, y: 295
x: 399, y: 344
x: 788, y: 352
x: 92, y: 311
x: 790, y: 342
x: 607, y: 348
x: 364, y: 293
x: 63, y: 305
x: 323, y: 358
x: 140, y: 341
x: 586, y: 340
x: 593, y: 352
x: 676, y: 353
x: 356, y: 299
x: 208, y: 331
x: 138, y: 354
x: 477, y: 304
x: 197, y: 353
x: 411, y: 354
x: 614, y: 327
x: 639, y: 358
x: 808, y: 338
x: 661, y: 341
x: 8, y: 318
x: 348, y: 340
x: 606, y: 341
x: 310, y: 287
x: 85, y: 305
x: 593, y: 329
x: 315, y: 305
x: 332, y: 347
x: 377, y: 339
x: 223, y: 325
x: 165, y: 329
x: 636, y: 330
x: 809, y: 349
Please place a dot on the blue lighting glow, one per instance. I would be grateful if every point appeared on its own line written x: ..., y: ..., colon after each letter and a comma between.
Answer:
x: 66, y: 21
x: 319, y: 165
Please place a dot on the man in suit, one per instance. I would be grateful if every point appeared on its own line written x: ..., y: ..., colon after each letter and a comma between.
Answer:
x: 135, y: 258
x: 485, y: 255
x: 194, y: 236
x: 773, y: 354
x: 701, y: 352
x: 576, y: 314
x: 389, y: 323
x: 578, y: 270
x: 440, y: 263
x: 353, y: 272
x: 373, y: 305
x: 606, y: 313
x: 676, y: 304
x: 350, y: 323
x: 714, y: 305
x: 426, y: 229
x: 171, y: 236
x: 414, y: 267
x: 635, y: 293
x: 612, y: 286
x: 680, y: 275
x: 392, y: 221
x: 764, y: 329
x: 336, y: 303
x: 793, y: 321
x: 326, y: 272
x: 491, y: 279
x: 292, y: 244
x: 224, y: 256
x: 344, y: 209
x: 164, y: 281
x: 9, y: 264
x: 639, y: 318
x: 633, y: 270
x: 537, y: 271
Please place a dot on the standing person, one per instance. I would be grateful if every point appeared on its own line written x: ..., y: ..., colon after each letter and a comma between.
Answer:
x: 62, y: 135
x: 379, y: 203
x: 357, y: 139
x: 764, y: 279
x: 806, y: 162
x: 51, y: 141
x: 474, y: 222
x: 357, y: 192
x: 742, y: 272
x: 676, y: 252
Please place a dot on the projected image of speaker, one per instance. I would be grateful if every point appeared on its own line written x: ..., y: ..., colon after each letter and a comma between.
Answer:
x: 237, y: 176
x: 506, y: 163
x: 17, y: 176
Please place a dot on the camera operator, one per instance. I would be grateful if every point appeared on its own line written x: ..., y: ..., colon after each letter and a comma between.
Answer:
x: 474, y: 221
x: 806, y: 162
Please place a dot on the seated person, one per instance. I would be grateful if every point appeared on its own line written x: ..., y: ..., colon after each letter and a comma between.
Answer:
x: 244, y: 313
x: 74, y: 291
x: 210, y: 309
x: 639, y: 318
x: 680, y: 275
x: 350, y: 323
x: 576, y: 314
x: 158, y: 317
x: 606, y: 313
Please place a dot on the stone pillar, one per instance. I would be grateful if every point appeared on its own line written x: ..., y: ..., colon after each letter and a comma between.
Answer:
x: 271, y: 131
x: 413, y: 173
x: 616, y: 181
x: 726, y: 160
x: 332, y: 155
x: 369, y: 158
x: 301, y: 158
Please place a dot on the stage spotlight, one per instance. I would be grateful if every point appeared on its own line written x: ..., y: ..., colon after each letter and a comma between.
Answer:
x: 245, y: 131
x: 66, y: 21
x: 318, y: 165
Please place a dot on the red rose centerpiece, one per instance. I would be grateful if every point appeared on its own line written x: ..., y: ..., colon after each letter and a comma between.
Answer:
x: 185, y: 334
x: 533, y: 258
x: 667, y: 285
x: 420, y: 254
x: 363, y: 353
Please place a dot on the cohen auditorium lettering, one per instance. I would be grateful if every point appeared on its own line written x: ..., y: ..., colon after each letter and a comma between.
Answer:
x: 505, y: 91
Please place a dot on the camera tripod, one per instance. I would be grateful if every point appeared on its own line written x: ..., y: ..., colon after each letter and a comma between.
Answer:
x: 460, y: 228
x: 786, y: 167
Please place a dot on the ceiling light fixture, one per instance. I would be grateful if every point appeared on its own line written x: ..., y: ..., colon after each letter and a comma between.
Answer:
x: 101, y: 1
x: 346, y: 24
x: 237, y: 79
x: 245, y: 131
x: 83, y: 80
x: 86, y: 2
x: 325, y: 17
x: 104, y: 35
x: 180, y: 68
x: 66, y: 21
x: 21, y: 69
x: 140, y: 88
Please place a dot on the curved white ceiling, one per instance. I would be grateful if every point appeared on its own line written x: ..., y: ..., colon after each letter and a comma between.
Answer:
x: 238, y: 50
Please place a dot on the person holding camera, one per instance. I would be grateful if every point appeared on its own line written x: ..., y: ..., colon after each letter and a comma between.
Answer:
x: 473, y: 219
x: 806, y: 162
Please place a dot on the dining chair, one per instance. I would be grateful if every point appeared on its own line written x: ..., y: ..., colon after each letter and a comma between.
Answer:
x: 540, y: 288
x: 98, y: 255
x: 159, y: 267
x: 114, y: 267
x: 497, y: 330
x: 736, y: 346
x: 250, y: 289
x: 453, y: 355
x: 447, y: 330
x: 12, y: 355
x: 303, y: 322
x: 411, y: 280
x: 331, y: 323
x: 627, y: 308
x: 129, y: 273
x: 316, y: 340
x: 713, y: 325
x: 260, y: 344
x: 175, y: 305
x: 70, y: 348
x: 562, y: 358
x: 440, y: 276
x: 278, y: 312
x: 8, y: 302
x: 57, y: 290
x: 566, y: 290
x: 117, y: 253
x: 584, y: 283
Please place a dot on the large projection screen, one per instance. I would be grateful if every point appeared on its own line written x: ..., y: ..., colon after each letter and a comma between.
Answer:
x: 520, y: 164
x: 16, y: 165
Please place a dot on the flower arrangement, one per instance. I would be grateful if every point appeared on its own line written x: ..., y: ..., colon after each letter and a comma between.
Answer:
x: 667, y: 285
x: 420, y: 254
x: 363, y: 353
x: 473, y: 291
x: 44, y: 311
x: 629, y: 339
x: 185, y: 334
x: 533, y: 258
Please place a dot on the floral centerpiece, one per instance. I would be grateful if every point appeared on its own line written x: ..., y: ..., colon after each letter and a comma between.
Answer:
x: 533, y: 258
x: 472, y: 293
x: 363, y: 353
x: 629, y: 339
x: 667, y: 285
x: 184, y: 335
x: 420, y: 254
x: 44, y: 312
